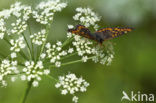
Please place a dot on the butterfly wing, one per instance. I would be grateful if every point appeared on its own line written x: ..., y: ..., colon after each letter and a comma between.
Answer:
x: 82, y: 31
x: 109, y: 33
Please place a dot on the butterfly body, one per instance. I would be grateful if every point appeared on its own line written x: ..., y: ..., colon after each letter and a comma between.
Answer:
x: 100, y: 35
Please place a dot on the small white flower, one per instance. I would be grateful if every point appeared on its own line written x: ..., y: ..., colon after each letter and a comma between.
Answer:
x: 75, y: 99
x: 58, y: 48
x: 46, y: 72
x: 4, y: 83
x: 84, y: 58
x: 82, y: 89
x: 14, y: 63
x: 58, y: 64
x: 69, y: 35
x: 39, y: 65
x: 43, y: 55
x: 71, y: 50
x: 70, y: 26
x: 1, y: 77
x: 35, y: 83
x: 23, y: 77
x: 57, y: 85
x: 1, y: 35
x: 64, y: 92
x: 13, y: 79
x: 59, y: 43
x: 48, y: 45
x: 13, y: 55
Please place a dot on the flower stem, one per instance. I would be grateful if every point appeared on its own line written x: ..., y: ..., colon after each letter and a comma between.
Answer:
x: 43, y: 45
x: 72, y: 62
x: 27, y: 91
x: 29, y: 51
x: 67, y: 41
x: 32, y: 45
x: 76, y: 61
x: 69, y: 55
x: 52, y: 78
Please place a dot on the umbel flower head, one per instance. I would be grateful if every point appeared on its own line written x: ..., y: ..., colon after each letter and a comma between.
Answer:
x: 31, y: 56
x: 87, y: 17
x: 34, y: 71
x: 39, y: 38
x: 45, y: 11
x: 7, y: 67
x: 32, y: 68
x: 70, y: 84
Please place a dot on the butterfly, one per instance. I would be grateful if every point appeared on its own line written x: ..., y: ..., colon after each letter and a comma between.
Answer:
x: 101, y: 35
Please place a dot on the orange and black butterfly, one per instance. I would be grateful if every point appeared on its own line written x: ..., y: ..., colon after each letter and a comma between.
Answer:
x: 100, y: 35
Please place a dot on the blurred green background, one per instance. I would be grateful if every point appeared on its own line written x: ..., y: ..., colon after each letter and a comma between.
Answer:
x: 132, y: 69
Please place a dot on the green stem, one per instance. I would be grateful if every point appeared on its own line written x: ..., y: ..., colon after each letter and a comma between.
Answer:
x: 16, y: 74
x: 69, y: 55
x: 29, y: 51
x: 51, y: 77
x: 32, y: 46
x: 67, y: 41
x: 76, y: 61
x: 43, y: 45
x: 72, y: 62
x: 26, y: 91
x: 22, y: 54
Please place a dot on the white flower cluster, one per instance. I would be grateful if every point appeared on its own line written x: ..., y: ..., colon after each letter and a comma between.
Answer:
x: 86, y: 49
x: 18, y: 27
x: 2, y: 28
x: 5, y: 14
x: 17, y: 45
x: 101, y: 56
x: 86, y: 17
x: 39, y: 38
x: 7, y: 67
x: 83, y: 47
x: 47, y: 10
x: 55, y: 52
x: 21, y: 12
x: 70, y: 84
x: 34, y: 71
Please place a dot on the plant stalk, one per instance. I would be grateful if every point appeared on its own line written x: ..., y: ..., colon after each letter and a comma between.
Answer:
x: 43, y: 45
x: 27, y: 90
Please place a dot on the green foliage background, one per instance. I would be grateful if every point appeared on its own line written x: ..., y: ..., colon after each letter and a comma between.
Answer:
x: 132, y: 69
